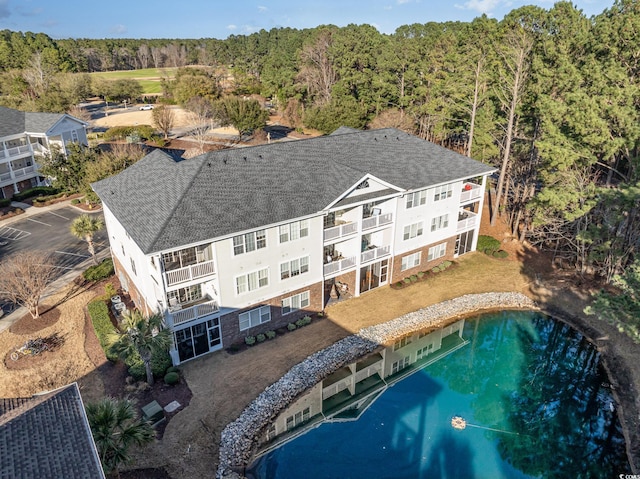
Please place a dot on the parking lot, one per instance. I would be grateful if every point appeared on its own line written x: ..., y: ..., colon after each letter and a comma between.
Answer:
x: 49, y: 232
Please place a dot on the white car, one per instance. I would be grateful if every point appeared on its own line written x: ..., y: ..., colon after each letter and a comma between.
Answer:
x: 146, y: 107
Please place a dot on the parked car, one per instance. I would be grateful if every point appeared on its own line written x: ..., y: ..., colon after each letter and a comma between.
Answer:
x: 146, y: 107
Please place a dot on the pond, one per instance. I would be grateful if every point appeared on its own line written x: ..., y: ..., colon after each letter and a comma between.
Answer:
x: 511, y: 394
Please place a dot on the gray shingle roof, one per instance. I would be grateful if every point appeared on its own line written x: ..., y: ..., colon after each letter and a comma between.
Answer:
x: 47, y: 436
x: 164, y: 204
x: 14, y: 122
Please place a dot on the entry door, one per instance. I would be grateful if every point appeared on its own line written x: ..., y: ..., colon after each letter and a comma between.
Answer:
x: 374, y: 275
x: 463, y: 242
x: 215, y: 338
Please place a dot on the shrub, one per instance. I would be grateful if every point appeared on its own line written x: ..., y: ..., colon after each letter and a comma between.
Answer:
x: 250, y: 340
x: 172, y: 369
x: 488, y: 244
x: 5, y: 202
x: 413, y: 278
x: 270, y: 334
x: 260, y: 338
x: 291, y: 326
x: 320, y: 314
x: 436, y: 269
x: 446, y: 264
x: 102, y: 325
x: 303, y: 321
x: 122, y: 132
x: 420, y: 274
x: 171, y: 378
x: 500, y: 254
x: 99, y: 271
x: 75, y: 201
x: 160, y: 361
x: 406, y: 281
x: 37, y: 191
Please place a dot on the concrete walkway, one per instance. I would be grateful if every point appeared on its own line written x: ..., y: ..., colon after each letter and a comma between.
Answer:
x: 8, y: 319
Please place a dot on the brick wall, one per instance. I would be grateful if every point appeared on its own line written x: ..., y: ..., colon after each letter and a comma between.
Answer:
x: 230, y: 326
x: 425, y: 265
x: 129, y: 286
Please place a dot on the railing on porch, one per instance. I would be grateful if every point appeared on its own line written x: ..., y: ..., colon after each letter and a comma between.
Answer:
x: 374, y: 253
x: 188, y: 273
x: 470, y: 191
x: 24, y: 171
x: 340, y: 231
x: 5, y: 176
x: 377, y: 220
x: 179, y: 316
x: 339, y: 265
x: 468, y: 221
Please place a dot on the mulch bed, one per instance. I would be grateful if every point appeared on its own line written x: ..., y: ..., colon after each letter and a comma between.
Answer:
x: 29, y: 325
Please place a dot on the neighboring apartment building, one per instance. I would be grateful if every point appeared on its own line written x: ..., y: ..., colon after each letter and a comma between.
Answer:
x: 240, y: 241
x: 24, y: 136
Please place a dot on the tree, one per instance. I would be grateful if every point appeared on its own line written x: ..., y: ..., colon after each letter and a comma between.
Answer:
x: 200, y: 116
x: 141, y: 335
x: 115, y: 428
x: 67, y: 171
x: 621, y: 308
x: 84, y: 227
x: 245, y: 115
x: 24, y: 278
x: 163, y: 119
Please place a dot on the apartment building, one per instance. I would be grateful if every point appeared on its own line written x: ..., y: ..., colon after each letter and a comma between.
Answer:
x: 237, y: 242
x: 24, y: 136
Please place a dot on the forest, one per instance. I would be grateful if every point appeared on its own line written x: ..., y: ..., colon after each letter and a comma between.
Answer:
x: 548, y: 96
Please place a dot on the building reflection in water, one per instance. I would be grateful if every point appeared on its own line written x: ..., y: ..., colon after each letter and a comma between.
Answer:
x: 348, y: 392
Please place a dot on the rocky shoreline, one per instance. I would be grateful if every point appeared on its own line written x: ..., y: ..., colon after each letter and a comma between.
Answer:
x: 239, y: 438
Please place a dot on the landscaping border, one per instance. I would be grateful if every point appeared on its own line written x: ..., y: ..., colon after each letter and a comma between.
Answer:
x: 239, y: 438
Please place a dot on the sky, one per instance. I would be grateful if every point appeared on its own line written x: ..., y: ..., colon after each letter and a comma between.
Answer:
x: 221, y: 18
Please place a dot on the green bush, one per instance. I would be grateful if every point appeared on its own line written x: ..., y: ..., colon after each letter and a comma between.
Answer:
x: 250, y: 340
x: 75, y: 201
x: 500, y: 254
x: 99, y: 271
x: 144, y: 132
x: 420, y: 274
x: 446, y: 264
x: 102, y: 325
x: 413, y: 278
x: 488, y: 244
x: 303, y: 321
x: 171, y: 378
x: 5, y: 202
x: 160, y: 361
x: 37, y: 191
x: 270, y: 334
x: 172, y: 369
x: 260, y: 338
x: 406, y: 281
x: 291, y: 326
x: 436, y: 269
x: 44, y: 200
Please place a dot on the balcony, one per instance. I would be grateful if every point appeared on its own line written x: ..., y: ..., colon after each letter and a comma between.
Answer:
x: 374, y: 252
x: 466, y: 221
x: 339, y: 265
x: 188, y: 273
x: 376, y: 220
x: 178, y: 315
x: 339, y: 231
x: 470, y: 191
x: 17, y: 151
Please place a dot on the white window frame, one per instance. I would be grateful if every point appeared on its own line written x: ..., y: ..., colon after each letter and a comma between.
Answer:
x: 295, y: 267
x: 437, y: 251
x: 411, y: 261
x: 412, y: 231
x: 252, y: 281
x: 417, y: 198
x: 440, y: 222
x: 293, y: 231
x: 254, y: 317
x: 249, y: 242
x: 442, y: 192
x: 295, y: 302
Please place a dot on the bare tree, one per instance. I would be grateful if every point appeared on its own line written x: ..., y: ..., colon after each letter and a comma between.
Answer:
x: 164, y: 118
x: 24, y: 278
x: 200, y: 117
x: 144, y: 56
x: 317, y: 71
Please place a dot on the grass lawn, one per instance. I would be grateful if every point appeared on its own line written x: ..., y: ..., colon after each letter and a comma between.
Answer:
x: 149, y: 78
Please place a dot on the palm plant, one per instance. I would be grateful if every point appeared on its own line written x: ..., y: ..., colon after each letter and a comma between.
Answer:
x: 141, y: 335
x: 115, y: 428
x: 84, y: 227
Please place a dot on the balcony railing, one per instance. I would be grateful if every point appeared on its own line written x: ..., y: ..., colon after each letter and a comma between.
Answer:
x: 24, y: 171
x: 188, y: 273
x: 15, y: 151
x: 5, y: 176
x: 467, y: 221
x: 339, y: 265
x: 470, y: 191
x: 374, y: 253
x: 377, y: 220
x: 339, y: 231
x: 179, y: 316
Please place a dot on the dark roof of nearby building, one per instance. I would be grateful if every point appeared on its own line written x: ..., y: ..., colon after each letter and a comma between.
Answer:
x: 164, y: 204
x: 14, y: 122
x: 47, y: 435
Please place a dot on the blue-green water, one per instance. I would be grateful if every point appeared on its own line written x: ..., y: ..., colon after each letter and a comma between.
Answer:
x: 534, y: 379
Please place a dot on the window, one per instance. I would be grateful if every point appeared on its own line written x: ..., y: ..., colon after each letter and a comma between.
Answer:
x: 418, y: 198
x: 133, y: 267
x: 255, y: 317
x: 294, y: 267
x: 298, y: 418
x: 440, y: 222
x: 293, y: 231
x: 74, y: 136
x: 364, y: 184
x: 295, y: 302
x: 442, y: 192
x: 399, y: 365
x: 422, y: 352
x: 410, y: 261
x: 184, y: 295
x: 401, y: 343
x: 437, y: 251
x: 249, y: 242
x: 252, y: 281
x: 411, y: 231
